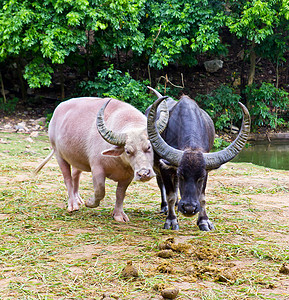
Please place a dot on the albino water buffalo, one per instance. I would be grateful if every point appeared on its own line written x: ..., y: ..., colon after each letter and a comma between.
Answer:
x: 106, y: 137
x: 182, y: 161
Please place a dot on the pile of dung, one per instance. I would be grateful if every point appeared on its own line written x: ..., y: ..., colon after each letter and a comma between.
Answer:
x: 218, y: 274
x: 206, y: 253
x: 181, y: 247
x: 170, y: 293
x: 167, y: 253
x: 284, y: 269
x: 169, y: 244
x: 165, y: 267
x: 167, y: 291
x: 130, y: 271
x: 107, y: 296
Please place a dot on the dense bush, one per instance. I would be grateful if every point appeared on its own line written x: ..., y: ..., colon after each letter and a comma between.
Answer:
x: 266, y: 104
x: 112, y: 83
x: 9, y: 106
x: 222, y: 106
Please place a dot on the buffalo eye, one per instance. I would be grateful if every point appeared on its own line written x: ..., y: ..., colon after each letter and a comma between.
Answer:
x: 148, y: 148
x: 128, y: 152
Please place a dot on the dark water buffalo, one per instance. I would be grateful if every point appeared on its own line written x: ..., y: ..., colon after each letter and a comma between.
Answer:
x: 82, y: 132
x: 182, y: 160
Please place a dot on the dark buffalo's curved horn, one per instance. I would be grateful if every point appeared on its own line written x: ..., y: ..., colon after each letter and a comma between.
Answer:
x: 171, y: 154
x: 215, y: 159
x: 164, y: 117
x: 164, y: 112
x: 111, y: 137
x: 158, y: 94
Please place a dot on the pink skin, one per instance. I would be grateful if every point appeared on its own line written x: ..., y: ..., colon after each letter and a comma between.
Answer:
x: 78, y: 147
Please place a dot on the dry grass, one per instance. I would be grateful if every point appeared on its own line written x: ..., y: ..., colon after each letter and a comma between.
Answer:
x: 47, y: 253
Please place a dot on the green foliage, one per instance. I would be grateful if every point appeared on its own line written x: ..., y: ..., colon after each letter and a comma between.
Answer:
x: 221, y: 105
x: 9, y: 106
x: 219, y: 144
x: 262, y: 24
x: 48, y: 118
x: 37, y: 73
x: 112, y: 83
x: 47, y: 32
x: 176, y: 31
x: 266, y: 104
x: 168, y: 90
x: 256, y: 22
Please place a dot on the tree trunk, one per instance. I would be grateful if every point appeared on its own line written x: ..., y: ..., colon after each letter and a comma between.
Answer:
x: 87, y: 48
x: 22, y: 83
x: 243, y: 81
x: 277, y: 73
x: 62, y: 83
x: 2, y: 88
x: 252, y: 64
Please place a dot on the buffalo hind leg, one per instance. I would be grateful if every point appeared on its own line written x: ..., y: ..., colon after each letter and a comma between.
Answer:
x: 164, y: 203
x: 66, y: 172
x: 75, y: 180
x: 203, y: 221
x: 118, y: 213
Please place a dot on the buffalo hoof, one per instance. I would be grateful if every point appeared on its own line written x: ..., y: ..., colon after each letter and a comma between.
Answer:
x: 206, y: 225
x: 120, y: 217
x: 92, y: 203
x: 171, y: 224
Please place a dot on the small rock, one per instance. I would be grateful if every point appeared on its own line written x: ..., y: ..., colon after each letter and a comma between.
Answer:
x: 40, y: 121
x: 2, y: 141
x: 21, y: 127
x: 7, y: 126
x: 36, y: 127
x: 170, y: 293
x: 29, y: 139
x: 34, y: 134
x: 129, y: 271
x: 214, y: 65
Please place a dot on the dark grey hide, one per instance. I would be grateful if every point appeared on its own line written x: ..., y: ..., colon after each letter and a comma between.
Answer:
x: 182, y: 161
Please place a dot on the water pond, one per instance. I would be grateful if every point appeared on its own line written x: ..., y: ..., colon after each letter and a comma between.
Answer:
x: 273, y: 155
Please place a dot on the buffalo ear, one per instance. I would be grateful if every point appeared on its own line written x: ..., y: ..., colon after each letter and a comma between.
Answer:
x: 166, y: 165
x: 114, y: 151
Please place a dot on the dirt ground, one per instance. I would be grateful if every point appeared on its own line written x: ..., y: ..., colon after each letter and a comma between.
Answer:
x: 48, y: 253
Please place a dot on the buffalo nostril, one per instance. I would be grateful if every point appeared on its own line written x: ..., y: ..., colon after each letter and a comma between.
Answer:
x: 145, y: 174
x: 189, y: 210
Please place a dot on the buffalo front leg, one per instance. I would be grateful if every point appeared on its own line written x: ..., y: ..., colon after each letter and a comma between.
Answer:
x: 65, y: 168
x: 203, y: 221
x: 118, y: 213
x: 170, y: 182
x: 98, y: 179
